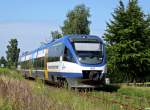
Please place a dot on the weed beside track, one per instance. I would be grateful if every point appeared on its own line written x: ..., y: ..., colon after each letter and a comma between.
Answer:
x: 16, y: 93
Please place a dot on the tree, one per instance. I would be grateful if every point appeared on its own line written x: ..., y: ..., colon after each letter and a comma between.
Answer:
x: 3, y: 61
x: 12, y: 53
x: 77, y: 21
x: 56, y: 34
x: 127, y: 38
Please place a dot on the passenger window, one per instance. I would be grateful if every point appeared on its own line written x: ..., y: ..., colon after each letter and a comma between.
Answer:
x: 55, y: 52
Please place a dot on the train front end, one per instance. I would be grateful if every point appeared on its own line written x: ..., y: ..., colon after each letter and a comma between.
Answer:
x: 88, y: 65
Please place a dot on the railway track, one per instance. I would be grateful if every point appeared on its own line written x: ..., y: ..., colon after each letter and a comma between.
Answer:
x: 122, y: 105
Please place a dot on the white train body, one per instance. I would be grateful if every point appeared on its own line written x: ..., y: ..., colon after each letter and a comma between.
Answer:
x: 78, y: 59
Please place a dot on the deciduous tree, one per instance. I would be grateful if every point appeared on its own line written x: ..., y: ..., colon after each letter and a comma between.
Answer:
x: 3, y: 61
x: 12, y: 53
x: 56, y: 34
x: 77, y: 21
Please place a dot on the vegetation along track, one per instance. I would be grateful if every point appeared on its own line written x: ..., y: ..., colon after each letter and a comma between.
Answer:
x: 113, y: 101
x: 106, y: 96
x: 110, y: 97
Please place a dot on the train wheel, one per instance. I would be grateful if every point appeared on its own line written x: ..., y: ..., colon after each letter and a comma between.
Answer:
x: 60, y: 82
x: 66, y: 85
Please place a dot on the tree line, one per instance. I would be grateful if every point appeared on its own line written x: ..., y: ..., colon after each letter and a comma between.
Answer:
x: 127, y: 38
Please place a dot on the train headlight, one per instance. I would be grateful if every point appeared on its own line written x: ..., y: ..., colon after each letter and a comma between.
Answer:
x: 80, y: 58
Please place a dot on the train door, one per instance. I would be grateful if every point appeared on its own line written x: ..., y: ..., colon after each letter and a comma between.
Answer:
x: 45, y: 64
x: 68, y: 55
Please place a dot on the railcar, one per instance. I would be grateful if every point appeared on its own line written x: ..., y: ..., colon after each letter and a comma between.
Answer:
x: 76, y: 60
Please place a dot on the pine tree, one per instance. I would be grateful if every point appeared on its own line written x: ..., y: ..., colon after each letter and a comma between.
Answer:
x: 127, y: 38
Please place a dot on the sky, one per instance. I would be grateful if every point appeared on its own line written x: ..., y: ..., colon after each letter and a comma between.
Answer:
x: 31, y: 21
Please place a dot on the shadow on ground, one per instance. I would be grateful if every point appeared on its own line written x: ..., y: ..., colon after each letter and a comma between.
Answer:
x: 108, y: 88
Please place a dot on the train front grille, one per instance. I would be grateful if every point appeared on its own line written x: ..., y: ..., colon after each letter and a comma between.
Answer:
x: 92, y: 75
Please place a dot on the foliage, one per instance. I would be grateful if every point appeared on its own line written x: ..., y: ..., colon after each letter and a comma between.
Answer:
x: 3, y: 61
x: 12, y: 53
x: 128, y: 48
x: 56, y: 34
x: 77, y: 21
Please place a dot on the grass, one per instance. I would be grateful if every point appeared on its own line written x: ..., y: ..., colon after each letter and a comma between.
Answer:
x: 19, y: 94
x: 11, y: 73
x: 127, y: 97
x: 16, y: 93
x: 23, y: 95
x: 135, y: 91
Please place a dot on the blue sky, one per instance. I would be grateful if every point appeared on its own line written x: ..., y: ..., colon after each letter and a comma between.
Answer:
x: 31, y: 21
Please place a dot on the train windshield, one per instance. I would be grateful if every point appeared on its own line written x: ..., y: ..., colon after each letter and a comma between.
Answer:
x: 88, y: 52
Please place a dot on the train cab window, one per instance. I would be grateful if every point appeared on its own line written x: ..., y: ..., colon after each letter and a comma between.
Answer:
x: 68, y: 56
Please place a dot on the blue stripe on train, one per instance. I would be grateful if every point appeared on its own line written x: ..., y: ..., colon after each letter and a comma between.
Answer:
x: 66, y: 75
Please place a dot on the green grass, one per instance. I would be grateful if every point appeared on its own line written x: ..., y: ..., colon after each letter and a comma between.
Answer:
x: 16, y: 93
x: 135, y: 91
x: 133, y: 97
x: 11, y: 73
x: 19, y: 94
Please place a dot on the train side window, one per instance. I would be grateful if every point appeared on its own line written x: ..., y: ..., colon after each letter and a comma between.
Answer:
x: 40, y: 63
x: 34, y: 63
x: 68, y: 56
x: 55, y: 52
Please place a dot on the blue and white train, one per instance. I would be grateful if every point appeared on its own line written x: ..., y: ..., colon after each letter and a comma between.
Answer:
x: 76, y: 60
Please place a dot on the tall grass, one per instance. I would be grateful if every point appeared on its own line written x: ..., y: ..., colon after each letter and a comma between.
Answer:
x: 129, y: 98
x: 11, y: 73
x: 23, y: 95
x: 19, y: 94
x: 135, y: 91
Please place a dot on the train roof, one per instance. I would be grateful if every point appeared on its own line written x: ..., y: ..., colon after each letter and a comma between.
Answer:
x: 59, y: 40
